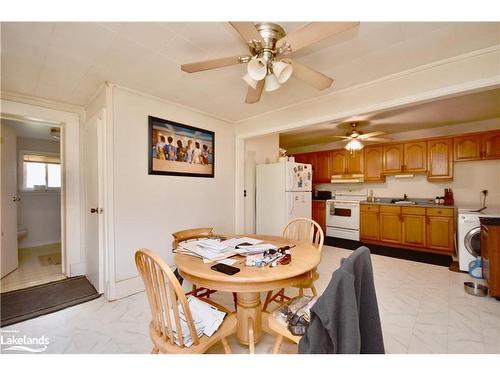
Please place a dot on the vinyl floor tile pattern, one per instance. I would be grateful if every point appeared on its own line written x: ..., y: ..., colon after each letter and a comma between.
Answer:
x: 36, y: 267
x: 423, y: 309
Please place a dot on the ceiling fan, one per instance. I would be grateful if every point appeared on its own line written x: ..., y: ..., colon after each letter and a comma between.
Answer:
x: 268, y: 45
x: 355, y: 137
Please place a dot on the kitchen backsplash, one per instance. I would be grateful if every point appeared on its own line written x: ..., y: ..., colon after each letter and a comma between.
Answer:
x: 468, y: 181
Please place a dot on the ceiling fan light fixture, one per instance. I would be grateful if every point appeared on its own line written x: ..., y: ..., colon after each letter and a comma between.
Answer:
x: 354, y: 145
x: 271, y: 83
x: 250, y: 81
x: 257, y: 68
x: 282, y: 71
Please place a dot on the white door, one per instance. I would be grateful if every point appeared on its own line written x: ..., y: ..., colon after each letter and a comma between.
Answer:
x: 299, y: 204
x: 94, y: 202
x: 9, y: 201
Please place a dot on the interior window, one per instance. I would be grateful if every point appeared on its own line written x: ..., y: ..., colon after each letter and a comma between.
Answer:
x: 41, y: 172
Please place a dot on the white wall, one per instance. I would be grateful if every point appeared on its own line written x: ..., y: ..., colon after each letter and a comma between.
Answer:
x: 258, y: 150
x: 38, y: 212
x: 148, y: 208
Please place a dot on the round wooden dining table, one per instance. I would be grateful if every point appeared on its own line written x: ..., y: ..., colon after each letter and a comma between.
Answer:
x: 250, y: 281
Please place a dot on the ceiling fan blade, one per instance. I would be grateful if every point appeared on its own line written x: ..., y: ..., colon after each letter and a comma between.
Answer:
x: 210, y: 64
x: 369, y: 135
x: 340, y: 136
x: 253, y: 96
x: 247, y: 31
x: 377, y: 139
x: 310, y: 76
x: 314, y: 32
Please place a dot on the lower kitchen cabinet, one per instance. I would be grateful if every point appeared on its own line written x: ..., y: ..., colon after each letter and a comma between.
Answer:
x: 369, y: 222
x: 413, y: 230
x: 390, y: 224
x: 440, y: 230
x: 416, y: 228
x: 319, y: 214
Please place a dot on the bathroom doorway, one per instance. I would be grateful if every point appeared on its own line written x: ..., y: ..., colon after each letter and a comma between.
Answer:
x: 31, y: 217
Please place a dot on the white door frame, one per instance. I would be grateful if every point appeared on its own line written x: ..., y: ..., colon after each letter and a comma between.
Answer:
x: 65, y: 269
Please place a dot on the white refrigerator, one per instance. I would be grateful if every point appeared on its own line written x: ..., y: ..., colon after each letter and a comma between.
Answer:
x: 283, y: 192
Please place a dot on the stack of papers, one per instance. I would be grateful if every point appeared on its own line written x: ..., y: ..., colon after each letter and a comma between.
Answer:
x: 207, y: 320
x: 207, y: 249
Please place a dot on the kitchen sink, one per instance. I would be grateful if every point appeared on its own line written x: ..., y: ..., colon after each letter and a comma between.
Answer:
x: 401, y: 201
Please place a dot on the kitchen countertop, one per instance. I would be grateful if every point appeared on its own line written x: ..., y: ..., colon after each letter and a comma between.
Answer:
x: 419, y: 203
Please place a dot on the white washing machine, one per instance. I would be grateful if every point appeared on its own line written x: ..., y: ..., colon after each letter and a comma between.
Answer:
x: 469, y: 230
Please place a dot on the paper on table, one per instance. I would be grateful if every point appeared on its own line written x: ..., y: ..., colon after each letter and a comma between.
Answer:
x: 254, y: 249
x: 208, y: 253
x: 233, y: 242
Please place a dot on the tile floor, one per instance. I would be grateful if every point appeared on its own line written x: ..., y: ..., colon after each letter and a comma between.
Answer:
x: 423, y: 309
x: 31, y: 271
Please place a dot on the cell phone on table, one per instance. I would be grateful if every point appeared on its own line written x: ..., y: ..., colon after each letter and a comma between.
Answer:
x: 224, y: 268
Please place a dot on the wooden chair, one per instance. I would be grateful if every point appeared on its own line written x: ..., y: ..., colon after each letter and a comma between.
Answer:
x: 165, y: 294
x: 300, y: 229
x: 193, y: 234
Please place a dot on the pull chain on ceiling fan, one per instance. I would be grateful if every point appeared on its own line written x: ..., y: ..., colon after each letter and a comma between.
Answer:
x: 268, y: 44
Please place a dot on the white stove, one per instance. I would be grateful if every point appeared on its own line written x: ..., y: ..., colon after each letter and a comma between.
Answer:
x: 342, y: 214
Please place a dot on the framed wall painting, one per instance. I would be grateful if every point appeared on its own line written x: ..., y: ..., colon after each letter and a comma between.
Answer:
x: 177, y: 149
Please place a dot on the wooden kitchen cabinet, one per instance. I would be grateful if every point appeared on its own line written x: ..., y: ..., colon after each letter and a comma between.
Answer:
x: 413, y: 226
x: 490, y: 252
x: 440, y: 159
x: 390, y: 224
x: 415, y: 156
x: 440, y: 223
x: 490, y: 143
x: 467, y: 147
x: 355, y: 161
x: 369, y: 222
x: 373, y: 169
x: 323, y: 169
x: 393, y: 158
x: 338, y: 162
x: 319, y: 213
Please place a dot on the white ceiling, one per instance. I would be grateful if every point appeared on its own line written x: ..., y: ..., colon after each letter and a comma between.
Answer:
x: 462, y: 109
x: 67, y: 62
x: 30, y: 129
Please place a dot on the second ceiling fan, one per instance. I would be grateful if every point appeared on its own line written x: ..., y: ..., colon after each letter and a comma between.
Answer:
x: 269, y: 45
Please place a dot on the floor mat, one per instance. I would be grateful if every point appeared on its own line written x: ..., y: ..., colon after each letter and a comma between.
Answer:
x: 24, y: 304
x: 50, y: 259
x: 394, y: 252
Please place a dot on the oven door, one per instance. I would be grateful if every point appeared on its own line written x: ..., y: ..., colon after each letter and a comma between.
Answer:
x: 343, y: 214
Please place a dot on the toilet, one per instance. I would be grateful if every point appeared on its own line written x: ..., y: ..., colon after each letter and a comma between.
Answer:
x: 21, y: 233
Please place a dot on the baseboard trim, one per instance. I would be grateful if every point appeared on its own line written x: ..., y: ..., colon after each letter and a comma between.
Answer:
x: 77, y: 269
x: 127, y: 287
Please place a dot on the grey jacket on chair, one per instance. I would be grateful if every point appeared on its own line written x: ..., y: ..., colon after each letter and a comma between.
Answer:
x: 345, y: 319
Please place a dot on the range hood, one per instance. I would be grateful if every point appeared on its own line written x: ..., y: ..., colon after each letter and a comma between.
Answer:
x: 347, y: 178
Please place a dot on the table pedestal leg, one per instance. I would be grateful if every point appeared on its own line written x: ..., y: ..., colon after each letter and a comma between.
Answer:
x: 249, y: 313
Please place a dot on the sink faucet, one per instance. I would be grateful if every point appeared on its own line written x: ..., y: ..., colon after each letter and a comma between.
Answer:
x: 405, y: 197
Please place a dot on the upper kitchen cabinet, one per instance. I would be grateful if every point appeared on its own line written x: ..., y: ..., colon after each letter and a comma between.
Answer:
x: 338, y: 162
x: 491, y: 145
x: 477, y: 146
x: 440, y: 159
x: 323, y: 167
x: 393, y: 158
x: 467, y: 147
x: 373, y: 164
x: 303, y: 158
x: 355, y: 161
x: 415, y: 157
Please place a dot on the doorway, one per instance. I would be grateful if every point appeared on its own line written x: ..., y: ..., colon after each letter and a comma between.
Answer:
x: 32, y: 249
